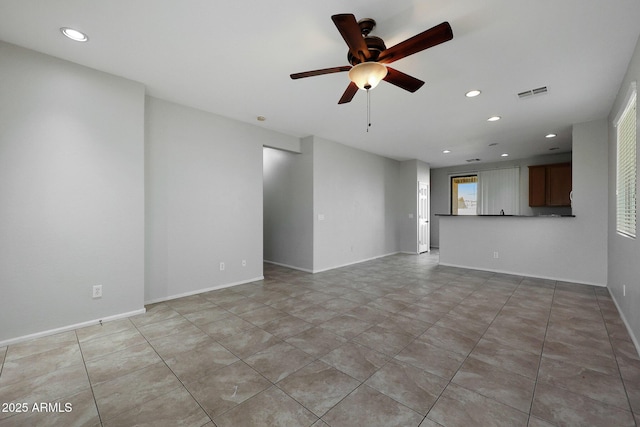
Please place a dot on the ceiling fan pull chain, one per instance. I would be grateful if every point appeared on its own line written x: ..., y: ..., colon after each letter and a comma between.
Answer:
x: 368, y: 109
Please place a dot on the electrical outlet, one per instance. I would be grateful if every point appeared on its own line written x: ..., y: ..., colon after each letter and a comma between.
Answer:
x: 222, y: 266
x: 97, y: 291
x: 244, y: 262
x: 496, y: 255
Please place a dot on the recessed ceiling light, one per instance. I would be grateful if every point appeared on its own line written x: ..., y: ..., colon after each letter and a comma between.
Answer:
x: 261, y: 118
x: 446, y: 151
x: 494, y: 118
x: 551, y: 135
x: 76, y: 35
x: 504, y: 155
x: 472, y: 93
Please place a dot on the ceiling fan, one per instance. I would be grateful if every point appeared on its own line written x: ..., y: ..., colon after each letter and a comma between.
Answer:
x: 368, y: 55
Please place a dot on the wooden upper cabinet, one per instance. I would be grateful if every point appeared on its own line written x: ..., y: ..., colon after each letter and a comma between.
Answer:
x: 550, y: 185
x: 559, y: 184
x: 537, y: 186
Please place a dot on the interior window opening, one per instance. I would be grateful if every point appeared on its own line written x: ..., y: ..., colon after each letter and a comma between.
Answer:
x: 464, y: 195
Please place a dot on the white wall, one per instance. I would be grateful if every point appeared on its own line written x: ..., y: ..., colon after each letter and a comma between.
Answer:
x: 288, y: 207
x: 357, y: 194
x: 204, y: 200
x: 72, y: 192
x: 624, y: 253
x: 569, y: 249
x: 440, y: 190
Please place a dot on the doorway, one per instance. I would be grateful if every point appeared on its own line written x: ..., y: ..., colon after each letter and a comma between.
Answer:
x: 423, y: 217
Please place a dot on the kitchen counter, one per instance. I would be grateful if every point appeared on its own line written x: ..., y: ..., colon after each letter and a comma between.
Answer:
x: 512, y: 216
x: 534, y: 246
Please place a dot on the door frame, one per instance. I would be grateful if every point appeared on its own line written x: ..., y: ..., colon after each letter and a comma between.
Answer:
x: 425, y: 185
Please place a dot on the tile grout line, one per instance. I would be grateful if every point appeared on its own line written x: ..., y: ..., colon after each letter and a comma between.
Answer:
x: 239, y: 360
x: 172, y: 371
x: 449, y: 380
x: 544, y: 342
x: 4, y: 359
x: 443, y: 316
x: 476, y: 344
x: 615, y: 356
x: 410, y: 280
x: 475, y: 287
x: 84, y: 363
x: 138, y: 369
x: 362, y: 383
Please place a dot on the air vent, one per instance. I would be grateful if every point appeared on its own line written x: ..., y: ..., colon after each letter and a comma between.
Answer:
x: 532, y: 92
x: 473, y: 160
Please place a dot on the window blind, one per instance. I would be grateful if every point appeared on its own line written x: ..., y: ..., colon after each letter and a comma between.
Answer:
x: 499, y: 190
x: 626, y: 169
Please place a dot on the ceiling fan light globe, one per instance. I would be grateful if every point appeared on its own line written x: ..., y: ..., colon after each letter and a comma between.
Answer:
x: 367, y: 75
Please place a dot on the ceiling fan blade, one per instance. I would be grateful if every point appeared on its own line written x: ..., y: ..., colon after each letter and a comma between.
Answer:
x: 348, y: 94
x: 429, y: 38
x: 403, y: 80
x: 350, y: 31
x: 320, y: 72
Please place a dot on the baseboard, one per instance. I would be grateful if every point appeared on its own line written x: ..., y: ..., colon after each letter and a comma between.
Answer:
x: 199, y: 291
x: 624, y: 319
x: 355, y: 262
x: 70, y: 327
x: 293, y: 267
x: 336, y: 266
x: 466, y: 267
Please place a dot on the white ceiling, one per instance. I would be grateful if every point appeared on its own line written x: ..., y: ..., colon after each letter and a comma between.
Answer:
x: 233, y: 58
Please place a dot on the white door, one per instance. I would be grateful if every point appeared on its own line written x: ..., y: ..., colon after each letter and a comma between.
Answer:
x: 423, y: 217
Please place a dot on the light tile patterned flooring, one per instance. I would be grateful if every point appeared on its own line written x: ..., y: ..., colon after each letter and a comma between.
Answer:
x: 399, y: 341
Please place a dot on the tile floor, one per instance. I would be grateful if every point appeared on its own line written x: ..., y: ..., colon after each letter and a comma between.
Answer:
x: 399, y: 341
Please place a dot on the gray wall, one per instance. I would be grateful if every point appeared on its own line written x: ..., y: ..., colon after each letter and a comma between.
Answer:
x: 589, y: 204
x: 440, y: 187
x: 624, y: 253
x: 411, y: 172
x: 334, y: 205
x: 72, y: 191
x: 204, y: 200
x: 356, y: 192
x: 569, y: 249
x: 407, y: 192
x: 77, y: 148
x: 288, y: 207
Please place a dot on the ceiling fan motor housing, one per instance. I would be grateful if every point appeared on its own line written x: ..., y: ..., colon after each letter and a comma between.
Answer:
x: 375, y: 45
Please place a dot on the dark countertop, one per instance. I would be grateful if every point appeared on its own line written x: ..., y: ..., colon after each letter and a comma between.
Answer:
x: 511, y: 216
